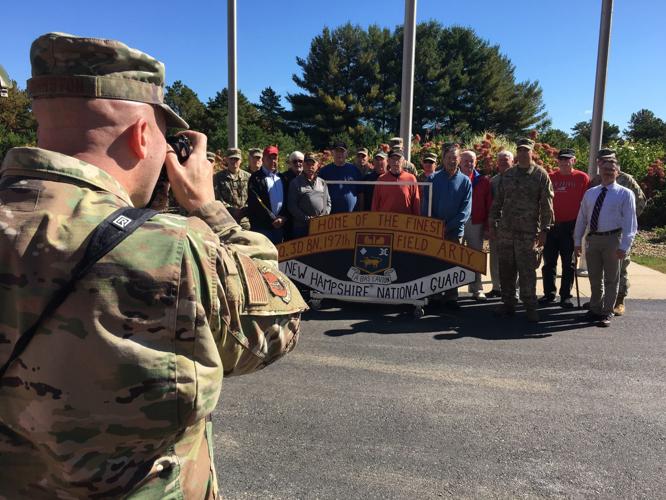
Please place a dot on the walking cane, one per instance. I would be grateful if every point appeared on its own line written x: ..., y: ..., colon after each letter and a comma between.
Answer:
x: 575, y: 262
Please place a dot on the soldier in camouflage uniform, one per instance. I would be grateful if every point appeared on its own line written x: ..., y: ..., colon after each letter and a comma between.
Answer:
x: 231, y: 188
x: 112, y: 396
x: 625, y: 180
x: 520, y: 217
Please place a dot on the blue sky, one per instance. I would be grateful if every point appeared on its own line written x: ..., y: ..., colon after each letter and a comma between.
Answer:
x: 552, y: 41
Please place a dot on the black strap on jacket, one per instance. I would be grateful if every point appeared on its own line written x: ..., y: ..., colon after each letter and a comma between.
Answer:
x: 111, y: 231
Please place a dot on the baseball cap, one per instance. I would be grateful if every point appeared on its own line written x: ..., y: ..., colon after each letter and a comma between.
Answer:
x: 339, y: 145
x: 526, y: 143
x: 66, y: 65
x: 566, y: 153
x: 210, y: 156
x: 395, y: 141
x: 234, y: 153
x: 605, y: 154
x: 380, y: 154
x: 396, y: 152
x: 271, y: 150
x: 362, y: 151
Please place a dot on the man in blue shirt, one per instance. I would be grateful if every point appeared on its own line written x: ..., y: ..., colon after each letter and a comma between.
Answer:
x: 344, y: 197
x: 451, y: 202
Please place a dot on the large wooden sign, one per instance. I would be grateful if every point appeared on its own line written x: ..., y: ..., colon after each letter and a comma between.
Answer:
x: 379, y: 256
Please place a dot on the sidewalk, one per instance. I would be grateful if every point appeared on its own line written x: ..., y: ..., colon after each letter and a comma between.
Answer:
x: 644, y: 283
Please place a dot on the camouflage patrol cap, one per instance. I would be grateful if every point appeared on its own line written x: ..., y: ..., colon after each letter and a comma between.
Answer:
x: 70, y: 66
x: 255, y: 152
x: 430, y: 157
x: 362, y: 151
x: 395, y: 141
x: 234, y: 153
x: 606, y: 154
x: 526, y: 143
x: 5, y: 82
x: 380, y: 154
x: 310, y: 157
x: 396, y: 152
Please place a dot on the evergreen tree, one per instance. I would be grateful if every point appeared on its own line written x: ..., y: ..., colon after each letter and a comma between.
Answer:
x: 184, y: 101
x: 271, y: 110
x: 582, y: 131
x: 644, y: 125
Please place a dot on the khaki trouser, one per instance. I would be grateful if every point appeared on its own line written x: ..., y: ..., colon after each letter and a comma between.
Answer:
x: 603, y: 269
x: 473, y: 238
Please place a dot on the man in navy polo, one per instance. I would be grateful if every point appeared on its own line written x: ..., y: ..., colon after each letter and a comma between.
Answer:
x: 344, y: 197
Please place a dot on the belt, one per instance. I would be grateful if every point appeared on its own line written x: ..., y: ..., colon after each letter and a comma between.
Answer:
x: 605, y: 233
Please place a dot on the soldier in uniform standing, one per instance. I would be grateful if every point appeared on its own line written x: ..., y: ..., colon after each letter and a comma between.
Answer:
x: 111, y: 394
x: 520, y: 217
x: 254, y: 160
x: 625, y: 180
x: 231, y: 188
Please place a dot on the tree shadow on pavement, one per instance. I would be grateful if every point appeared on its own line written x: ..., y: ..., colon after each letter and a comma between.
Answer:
x: 474, y: 320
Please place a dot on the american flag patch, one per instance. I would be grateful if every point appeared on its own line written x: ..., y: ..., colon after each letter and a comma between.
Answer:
x: 257, y: 295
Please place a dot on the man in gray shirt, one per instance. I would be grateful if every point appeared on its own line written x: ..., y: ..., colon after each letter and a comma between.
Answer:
x: 308, y: 197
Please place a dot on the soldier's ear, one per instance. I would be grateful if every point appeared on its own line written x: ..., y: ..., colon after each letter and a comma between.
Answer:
x: 138, y: 138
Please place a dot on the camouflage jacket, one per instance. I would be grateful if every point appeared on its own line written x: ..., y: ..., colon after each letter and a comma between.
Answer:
x: 232, y: 191
x: 110, y: 398
x: 626, y: 180
x: 523, y: 205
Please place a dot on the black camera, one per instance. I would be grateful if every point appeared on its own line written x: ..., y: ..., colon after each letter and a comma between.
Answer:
x: 181, y: 145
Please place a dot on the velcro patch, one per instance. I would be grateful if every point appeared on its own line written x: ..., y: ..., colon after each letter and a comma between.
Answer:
x: 257, y: 295
x: 276, y: 284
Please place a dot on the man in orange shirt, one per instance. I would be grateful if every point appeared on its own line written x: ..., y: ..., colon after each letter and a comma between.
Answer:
x: 403, y: 199
x: 569, y: 186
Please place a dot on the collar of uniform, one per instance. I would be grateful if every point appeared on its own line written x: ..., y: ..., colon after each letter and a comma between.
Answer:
x: 42, y: 163
x: 528, y: 170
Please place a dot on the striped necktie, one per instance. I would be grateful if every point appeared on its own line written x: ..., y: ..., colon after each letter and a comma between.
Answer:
x: 594, y: 221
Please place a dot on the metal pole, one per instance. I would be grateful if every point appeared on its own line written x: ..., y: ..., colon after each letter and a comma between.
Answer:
x: 600, y: 84
x: 232, y: 90
x: 407, y: 98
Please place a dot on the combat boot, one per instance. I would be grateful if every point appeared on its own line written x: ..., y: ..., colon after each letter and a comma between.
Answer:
x: 618, y: 310
x: 504, y: 311
x: 532, y: 315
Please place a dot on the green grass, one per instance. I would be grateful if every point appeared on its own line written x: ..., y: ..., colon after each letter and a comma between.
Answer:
x: 657, y: 263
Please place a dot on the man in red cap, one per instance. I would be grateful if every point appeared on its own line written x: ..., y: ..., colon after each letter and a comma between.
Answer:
x: 266, y: 205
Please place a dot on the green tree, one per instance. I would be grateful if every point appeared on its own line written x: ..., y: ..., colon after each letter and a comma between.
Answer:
x: 17, y: 123
x: 582, y: 131
x: 272, y: 111
x: 644, y: 125
x: 184, y: 101
x: 215, y: 123
x: 556, y: 138
x: 352, y: 78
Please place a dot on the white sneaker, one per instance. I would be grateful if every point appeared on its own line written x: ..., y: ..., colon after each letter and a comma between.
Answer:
x: 582, y: 273
x: 479, y: 296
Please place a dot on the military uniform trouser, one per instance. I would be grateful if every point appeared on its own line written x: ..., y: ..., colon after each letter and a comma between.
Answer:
x: 518, y: 256
x: 559, y: 243
x: 603, y: 269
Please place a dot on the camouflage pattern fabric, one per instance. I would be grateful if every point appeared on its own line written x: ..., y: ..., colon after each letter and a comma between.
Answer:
x: 521, y: 209
x: 71, y: 66
x: 626, y: 180
x: 110, y: 398
x: 231, y: 190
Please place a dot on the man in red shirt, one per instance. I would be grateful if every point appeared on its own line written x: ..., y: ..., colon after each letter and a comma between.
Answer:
x: 402, y: 199
x: 477, y: 224
x: 569, y: 186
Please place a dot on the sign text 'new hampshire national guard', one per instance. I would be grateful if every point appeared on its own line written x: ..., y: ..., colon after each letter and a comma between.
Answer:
x: 376, y: 255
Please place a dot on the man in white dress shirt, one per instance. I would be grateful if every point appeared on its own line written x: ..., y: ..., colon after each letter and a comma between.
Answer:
x: 609, y: 210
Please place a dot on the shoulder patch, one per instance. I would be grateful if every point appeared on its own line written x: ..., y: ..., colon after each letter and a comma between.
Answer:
x: 276, y: 284
x: 257, y: 295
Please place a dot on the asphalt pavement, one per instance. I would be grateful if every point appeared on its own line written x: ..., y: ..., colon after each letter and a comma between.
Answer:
x: 376, y: 404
